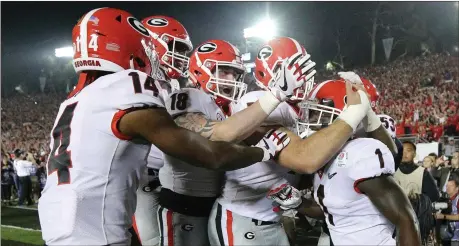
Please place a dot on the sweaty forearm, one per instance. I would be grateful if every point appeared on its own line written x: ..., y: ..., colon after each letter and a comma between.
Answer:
x: 382, y: 135
x: 310, y: 154
x: 232, y: 156
x: 156, y: 126
x: 201, y: 152
x: 408, y: 232
x: 240, y: 125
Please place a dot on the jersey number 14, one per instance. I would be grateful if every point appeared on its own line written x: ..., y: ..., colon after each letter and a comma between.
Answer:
x: 60, y: 158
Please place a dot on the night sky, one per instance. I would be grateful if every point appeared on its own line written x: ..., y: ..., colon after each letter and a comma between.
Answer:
x: 31, y: 30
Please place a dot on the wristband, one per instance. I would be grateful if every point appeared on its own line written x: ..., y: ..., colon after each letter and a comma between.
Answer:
x: 373, y: 121
x: 353, y: 115
x: 268, y: 102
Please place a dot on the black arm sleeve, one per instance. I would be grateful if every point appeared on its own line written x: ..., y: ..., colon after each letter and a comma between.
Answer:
x: 429, y: 188
x: 398, y: 157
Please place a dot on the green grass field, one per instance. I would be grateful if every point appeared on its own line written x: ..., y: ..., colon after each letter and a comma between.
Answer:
x: 20, y: 218
x: 21, y: 227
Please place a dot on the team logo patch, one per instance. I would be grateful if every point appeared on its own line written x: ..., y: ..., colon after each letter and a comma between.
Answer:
x: 146, y: 188
x: 265, y: 52
x: 207, y: 48
x: 341, y: 160
x: 249, y: 235
x: 158, y: 22
x: 137, y: 25
x: 187, y: 227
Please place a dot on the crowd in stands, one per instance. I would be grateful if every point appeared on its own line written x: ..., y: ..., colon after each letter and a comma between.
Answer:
x: 421, y: 94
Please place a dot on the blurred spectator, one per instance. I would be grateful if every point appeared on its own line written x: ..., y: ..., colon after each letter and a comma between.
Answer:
x: 449, y: 148
x: 7, y: 180
x: 428, y: 163
x: 414, y: 179
x: 24, y: 166
x: 453, y: 218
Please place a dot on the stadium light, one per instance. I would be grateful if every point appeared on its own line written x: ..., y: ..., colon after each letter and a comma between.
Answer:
x: 64, y: 52
x: 265, y: 29
x: 456, y: 48
x: 329, y: 66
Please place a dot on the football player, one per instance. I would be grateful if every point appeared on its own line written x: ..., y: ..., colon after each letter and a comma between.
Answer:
x: 242, y: 215
x: 172, y: 43
x: 217, y: 71
x: 105, y: 128
x: 355, y: 191
x: 387, y: 122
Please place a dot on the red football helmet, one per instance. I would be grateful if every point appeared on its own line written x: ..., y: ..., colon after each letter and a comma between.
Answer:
x: 326, y: 101
x: 112, y: 40
x: 371, y: 89
x: 210, y: 61
x: 172, y: 42
x: 270, y: 58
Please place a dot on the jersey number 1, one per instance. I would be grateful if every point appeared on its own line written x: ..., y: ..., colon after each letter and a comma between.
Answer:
x: 321, y: 196
x: 60, y: 158
x: 381, y: 160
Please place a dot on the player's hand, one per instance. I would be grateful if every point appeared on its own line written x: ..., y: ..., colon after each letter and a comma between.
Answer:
x: 287, y: 196
x: 272, y: 143
x: 358, y: 104
x: 293, y: 73
x: 357, y: 94
x: 351, y: 77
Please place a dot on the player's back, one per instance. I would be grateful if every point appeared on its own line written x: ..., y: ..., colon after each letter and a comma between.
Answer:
x: 351, y: 216
x: 93, y: 171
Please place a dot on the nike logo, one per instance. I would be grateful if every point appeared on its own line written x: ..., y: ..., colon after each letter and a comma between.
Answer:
x: 284, y: 87
x: 330, y: 176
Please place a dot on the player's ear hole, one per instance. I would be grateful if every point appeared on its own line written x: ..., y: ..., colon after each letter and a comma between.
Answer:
x: 139, y: 62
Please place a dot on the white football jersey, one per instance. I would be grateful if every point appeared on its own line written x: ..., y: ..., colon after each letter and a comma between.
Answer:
x: 351, y: 216
x: 155, y: 158
x: 93, y: 169
x: 245, y: 189
x: 180, y: 176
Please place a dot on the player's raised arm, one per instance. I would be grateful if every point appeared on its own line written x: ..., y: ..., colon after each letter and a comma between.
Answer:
x: 157, y: 126
x: 309, y: 154
x: 390, y: 200
x: 291, y: 75
x: 371, y: 122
